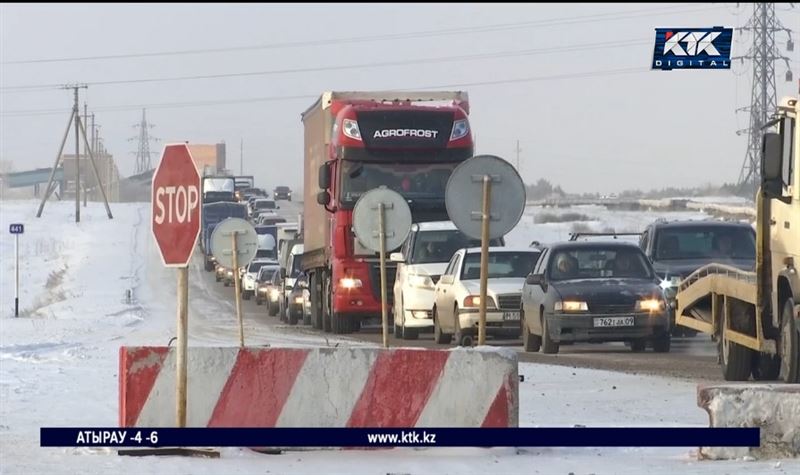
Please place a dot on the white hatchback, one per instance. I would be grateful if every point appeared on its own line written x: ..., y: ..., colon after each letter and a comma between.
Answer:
x: 423, y: 258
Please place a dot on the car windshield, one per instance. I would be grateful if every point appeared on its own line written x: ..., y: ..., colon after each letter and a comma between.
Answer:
x: 712, y: 242
x: 412, y: 180
x: 265, y: 204
x: 439, y: 246
x: 502, y: 264
x: 295, y: 271
x: 266, y: 273
x: 254, y: 267
x: 599, y: 263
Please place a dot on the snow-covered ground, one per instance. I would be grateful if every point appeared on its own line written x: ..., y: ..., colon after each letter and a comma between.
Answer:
x: 58, y: 364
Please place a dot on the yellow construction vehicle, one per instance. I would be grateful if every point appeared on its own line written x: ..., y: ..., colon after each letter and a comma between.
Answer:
x: 755, y: 316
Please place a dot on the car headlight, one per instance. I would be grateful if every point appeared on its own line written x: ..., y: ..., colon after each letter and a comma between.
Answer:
x: 650, y: 305
x: 421, y: 282
x: 230, y: 273
x: 298, y: 300
x: 670, y: 293
x: 473, y: 301
x: 273, y: 294
x: 349, y: 283
x: 571, y: 306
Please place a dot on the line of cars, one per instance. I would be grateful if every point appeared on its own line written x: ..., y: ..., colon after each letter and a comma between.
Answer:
x: 584, y: 290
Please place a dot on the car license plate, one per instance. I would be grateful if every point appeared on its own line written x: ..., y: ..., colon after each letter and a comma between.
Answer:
x: 614, y: 322
x: 510, y: 315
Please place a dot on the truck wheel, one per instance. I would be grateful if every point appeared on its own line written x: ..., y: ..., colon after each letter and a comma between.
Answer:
x: 663, y: 343
x: 292, y: 317
x: 246, y: 295
x: 737, y: 360
x: 766, y: 367
x: 259, y: 301
x: 316, y: 302
x: 789, y: 348
x: 530, y: 342
x: 410, y: 333
x: 398, y: 330
x: 549, y: 347
x: 209, y: 266
x: 272, y: 309
x: 439, y: 336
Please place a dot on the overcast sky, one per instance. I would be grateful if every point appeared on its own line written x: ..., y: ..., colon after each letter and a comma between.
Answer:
x: 587, y: 132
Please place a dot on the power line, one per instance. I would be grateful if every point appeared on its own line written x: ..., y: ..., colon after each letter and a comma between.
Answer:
x: 175, y: 105
x: 610, y: 16
x: 441, y: 59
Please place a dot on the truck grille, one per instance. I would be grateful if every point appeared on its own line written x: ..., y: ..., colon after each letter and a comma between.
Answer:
x: 375, y: 281
x: 509, y: 302
x: 610, y: 309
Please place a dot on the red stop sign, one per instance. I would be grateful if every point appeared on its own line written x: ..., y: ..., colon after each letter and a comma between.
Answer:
x: 176, y: 205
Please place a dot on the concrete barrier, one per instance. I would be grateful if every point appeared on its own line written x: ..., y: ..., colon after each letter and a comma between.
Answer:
x: 322, y: 387
x: 775, y: 408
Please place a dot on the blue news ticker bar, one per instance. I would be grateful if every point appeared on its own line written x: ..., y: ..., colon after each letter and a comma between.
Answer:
x: 398, y: 437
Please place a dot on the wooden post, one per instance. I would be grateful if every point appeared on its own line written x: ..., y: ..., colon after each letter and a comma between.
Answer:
x: 487, y: 187
x: 384, y: 313
x: 237, y: 286
x: 183, y: 335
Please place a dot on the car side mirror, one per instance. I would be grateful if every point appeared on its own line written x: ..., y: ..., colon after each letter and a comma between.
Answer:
x: 535, y: 279
x: 447, y: 279
x: 772, y: 165
x: 283, y: 273
x: 323, y: 198
x: 324, y: 176
x: 396, y: 257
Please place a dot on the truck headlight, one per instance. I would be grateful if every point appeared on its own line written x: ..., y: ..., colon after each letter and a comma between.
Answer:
x: 650, y: 305
x: 350, y: 129
x: 350, y: 283
x: 298, y: 300
x: 571, y: 306
x: 421, y: 282
x: 460, y: 129
x: 472, y: 301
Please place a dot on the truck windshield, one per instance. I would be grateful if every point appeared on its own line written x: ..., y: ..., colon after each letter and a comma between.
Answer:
x: 412, y: 180
x: 218, y: 184
x: 439, y: 246
x: 265, y: 204
x: 712, y: 242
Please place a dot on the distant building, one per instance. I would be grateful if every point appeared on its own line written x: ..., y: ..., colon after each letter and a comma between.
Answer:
x: 106, y: 169
x: 208, y: 158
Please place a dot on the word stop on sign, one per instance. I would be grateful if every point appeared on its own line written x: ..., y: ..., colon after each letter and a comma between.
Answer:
x: 180, y: 201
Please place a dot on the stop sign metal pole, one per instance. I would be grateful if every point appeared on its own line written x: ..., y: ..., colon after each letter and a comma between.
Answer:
x: 237, y: 287
x: 183, y: 336
x: 485, y: 217
x: 382, y: 238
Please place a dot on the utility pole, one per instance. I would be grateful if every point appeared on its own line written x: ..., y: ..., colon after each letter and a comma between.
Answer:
x: 763, y: 54
x: 80, y: 132
x: 85, y: 119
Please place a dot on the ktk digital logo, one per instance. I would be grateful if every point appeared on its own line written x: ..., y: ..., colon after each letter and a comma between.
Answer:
x: 693, y: 48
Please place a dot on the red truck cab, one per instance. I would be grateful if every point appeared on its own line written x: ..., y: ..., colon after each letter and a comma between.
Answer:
x: 408, y: 142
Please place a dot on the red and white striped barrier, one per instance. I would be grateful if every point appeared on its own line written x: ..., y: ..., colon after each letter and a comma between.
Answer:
x: 322, y: 387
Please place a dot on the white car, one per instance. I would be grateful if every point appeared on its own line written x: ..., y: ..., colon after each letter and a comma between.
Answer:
x: 250, y: 276
x: 457, y: 294
x: 423, y: 258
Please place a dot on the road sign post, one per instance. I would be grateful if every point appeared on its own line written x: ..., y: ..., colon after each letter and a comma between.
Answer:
x: 381, y: 221
x: 485, y: 217
x: 16, y: 229
x: 485, y: 213
x: 234, y: 242
x: 176, y: 225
